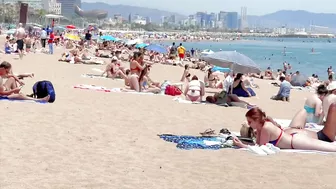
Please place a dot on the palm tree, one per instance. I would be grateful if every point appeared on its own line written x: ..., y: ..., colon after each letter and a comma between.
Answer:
x: 41, y: 14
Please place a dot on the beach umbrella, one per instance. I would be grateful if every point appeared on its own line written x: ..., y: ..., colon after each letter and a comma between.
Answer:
x: 157, y: 48
x: 107, y: 38
x: 220, y: 69
x: 298, y: 80
x: 234, y: 60
x: 72, y: 37
x: 134, y: 41
x: 71, y: 27
x: 141, y: 45
x: 11, y: 32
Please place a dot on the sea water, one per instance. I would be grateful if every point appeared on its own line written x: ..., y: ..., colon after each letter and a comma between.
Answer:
x: 309, y: 56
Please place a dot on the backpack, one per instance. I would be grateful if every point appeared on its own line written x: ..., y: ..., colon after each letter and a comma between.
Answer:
x: 173, y: 90
x: 42, y: 89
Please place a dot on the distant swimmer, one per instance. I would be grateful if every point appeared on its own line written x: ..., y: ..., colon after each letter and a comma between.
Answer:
x: 312, y: 50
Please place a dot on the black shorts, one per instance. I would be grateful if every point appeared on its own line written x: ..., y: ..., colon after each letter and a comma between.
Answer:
x: 20, y: 44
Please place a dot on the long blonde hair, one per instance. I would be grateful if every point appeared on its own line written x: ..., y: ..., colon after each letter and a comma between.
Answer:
x: 247, y: 131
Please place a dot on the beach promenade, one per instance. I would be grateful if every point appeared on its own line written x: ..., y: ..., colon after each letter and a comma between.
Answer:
x: 90, y: 139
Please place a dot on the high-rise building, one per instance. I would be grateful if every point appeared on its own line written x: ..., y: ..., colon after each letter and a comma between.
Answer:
x: 232, y: 20
x: 243, y: 18
x: 130, y: 18
x: 68, y: 7
x: 52, y: 6
x: 36, y: 4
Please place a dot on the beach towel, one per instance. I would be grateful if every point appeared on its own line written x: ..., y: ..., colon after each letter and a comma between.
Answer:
x: 107, y: 90
x: 197, y: 142
x: 95, y: 76
x: 311, y: 126
x: 4, y: 98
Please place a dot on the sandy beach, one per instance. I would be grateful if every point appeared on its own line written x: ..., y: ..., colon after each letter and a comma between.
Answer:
x: 90, y: 139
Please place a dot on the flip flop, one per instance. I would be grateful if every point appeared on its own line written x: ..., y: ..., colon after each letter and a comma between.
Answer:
x: 208, y: 132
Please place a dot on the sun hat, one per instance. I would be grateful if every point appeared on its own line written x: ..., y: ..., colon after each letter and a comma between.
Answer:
x: 332, y: 86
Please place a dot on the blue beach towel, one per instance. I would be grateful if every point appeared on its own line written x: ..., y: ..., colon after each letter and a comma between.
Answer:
x: 192, y: 142
x: 7, y: 99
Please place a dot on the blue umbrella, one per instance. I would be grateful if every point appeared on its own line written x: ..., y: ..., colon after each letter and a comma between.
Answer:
x: 157, y: 48
x: 141, y: 45
x: 107, y: 38
x: 236, y: 61
x: 220, y: 69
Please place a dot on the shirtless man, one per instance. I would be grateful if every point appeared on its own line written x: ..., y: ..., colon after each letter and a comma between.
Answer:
x: 20, y: 35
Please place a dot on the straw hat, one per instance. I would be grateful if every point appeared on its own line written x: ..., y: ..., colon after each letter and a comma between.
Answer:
x: 332, y: 86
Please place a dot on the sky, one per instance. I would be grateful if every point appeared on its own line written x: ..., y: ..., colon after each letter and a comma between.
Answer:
x: 254, y: 7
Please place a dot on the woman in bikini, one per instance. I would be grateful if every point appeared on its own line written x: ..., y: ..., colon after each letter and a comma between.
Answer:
x: 112, y: 70
x: 186, y: 74
x: 211, y: 79
x: 267, y: 131
x: 195, y: 90
x: 312, y: 110
x: 140, y: 83
x: 135, y: 65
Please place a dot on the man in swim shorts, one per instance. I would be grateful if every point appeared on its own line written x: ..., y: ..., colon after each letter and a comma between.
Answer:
x: 20, y: 34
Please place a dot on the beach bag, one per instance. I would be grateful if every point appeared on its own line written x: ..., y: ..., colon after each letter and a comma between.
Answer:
x: 173, y: 90
x: 42, y: 89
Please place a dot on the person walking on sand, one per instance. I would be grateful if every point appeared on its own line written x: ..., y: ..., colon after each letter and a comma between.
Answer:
x: 181, y: 51
x: 20, y: 34
x: 43, y: 37
x: 51, y: 42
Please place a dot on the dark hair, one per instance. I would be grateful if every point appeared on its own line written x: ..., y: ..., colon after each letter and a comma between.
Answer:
x: 5, y: 65
x: 186, y: 66
x: 114, y: 60
x: 238, y: 76
x: 209, y: 72
x: 210, y: 99
x: 128, y: 71
x: 136, y: 55
x: 282, y: 78
x: 142, y: 75
x: 194, y: 77
x: 322, y: 90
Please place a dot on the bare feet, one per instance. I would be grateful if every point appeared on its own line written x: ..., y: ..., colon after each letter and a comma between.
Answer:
x: 45, y: 99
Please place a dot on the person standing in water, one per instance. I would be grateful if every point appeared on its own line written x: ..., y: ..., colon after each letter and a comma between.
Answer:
x: 20, y: 34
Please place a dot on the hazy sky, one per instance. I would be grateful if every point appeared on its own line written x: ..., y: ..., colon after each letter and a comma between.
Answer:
x: 254, y: 7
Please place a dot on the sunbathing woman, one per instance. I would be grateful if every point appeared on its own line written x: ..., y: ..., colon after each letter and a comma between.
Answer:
x: 238, y: 88
x: 101, y: 55
x: 186, y: 74
x: 112, y: 70
x: 195, y: 90
x: 140, y: 83
x: 223, y: 98
x: 268, y: 132
x: 210, y: 79
x: 312, y: 110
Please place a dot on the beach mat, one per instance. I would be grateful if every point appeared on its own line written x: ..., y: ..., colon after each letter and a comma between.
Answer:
x: 311, y: 126
x: 107, y: 90
x: 3, y: 98
x: 95, y: 76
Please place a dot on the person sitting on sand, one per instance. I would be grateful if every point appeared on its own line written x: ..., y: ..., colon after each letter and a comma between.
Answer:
x: 7, y: 46
x: 238, y: 88
x: 312, y: 110
x: 268, y: 73
x: 140, y: 83
x: 195, y: 90
x: 330, y: 98
x: 151, y: 83
x: 284, y: 91
x: 266, y: 131
x: 223, y: 98
x: 210, y: 79
x: 135, y: 65
x: 9, y: 89
x: 186, y: 74
x: 112, y: 70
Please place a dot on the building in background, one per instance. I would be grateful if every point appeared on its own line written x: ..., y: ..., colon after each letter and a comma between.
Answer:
x: 148, y: 20
x: 68, y: 7
x: 232, y: 20
x: 36, y: 4
x: 243, y: 19
x: 52, y: 6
